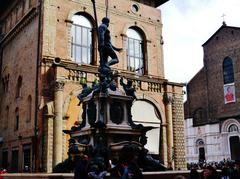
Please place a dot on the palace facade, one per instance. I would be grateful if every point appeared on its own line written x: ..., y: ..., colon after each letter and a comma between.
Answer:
x: 47, y: 47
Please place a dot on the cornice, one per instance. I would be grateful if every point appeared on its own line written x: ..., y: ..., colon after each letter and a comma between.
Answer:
x: 69, y: 65
x: 25, y: 20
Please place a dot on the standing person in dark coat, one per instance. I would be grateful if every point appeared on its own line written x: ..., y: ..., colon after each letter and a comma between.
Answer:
x: 236, y: 170
x: 226, y: 172
x: 127, y: 166
x: 194, y: 174
x: 210, y: 173
x: 80, y: 170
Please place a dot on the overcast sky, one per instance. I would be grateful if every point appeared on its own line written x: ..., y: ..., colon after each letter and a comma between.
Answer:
x: 187, y: 24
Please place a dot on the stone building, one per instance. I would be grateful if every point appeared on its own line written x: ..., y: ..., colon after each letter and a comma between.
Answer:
x: 212, y: 115
x: 48, y: 47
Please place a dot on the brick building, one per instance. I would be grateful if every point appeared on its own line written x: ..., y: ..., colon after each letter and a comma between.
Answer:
x: 213, y: 99
x: 48, y: 46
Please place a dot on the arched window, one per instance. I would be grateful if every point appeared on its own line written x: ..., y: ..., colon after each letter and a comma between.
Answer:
x: 135, y: 47
x: 233, y: 128
x: 228, y: 74
x: 19, y: 87
x: 16, y: 126
x: 29, y: 108
x: 81, y: 39
x: 199, y: 142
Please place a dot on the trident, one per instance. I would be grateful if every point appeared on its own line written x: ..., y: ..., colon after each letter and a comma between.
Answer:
x: 96, y: 23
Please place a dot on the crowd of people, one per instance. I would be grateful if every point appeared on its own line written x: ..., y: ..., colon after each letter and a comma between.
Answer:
x: 124, y: 168
x: 225, y: 169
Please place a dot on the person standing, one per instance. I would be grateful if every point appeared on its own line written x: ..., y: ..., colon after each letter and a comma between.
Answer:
x: 210, y: 173
x: 236, y: 170
x: 80, y: 170
x: 194, y: 174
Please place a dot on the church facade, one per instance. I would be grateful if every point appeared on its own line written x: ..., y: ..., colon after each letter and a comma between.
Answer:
x: 48, y: 48
x: 212, y: 116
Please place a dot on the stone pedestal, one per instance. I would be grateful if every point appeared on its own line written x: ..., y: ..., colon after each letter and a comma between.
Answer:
x: 108, y: 117
x: 107, y: 131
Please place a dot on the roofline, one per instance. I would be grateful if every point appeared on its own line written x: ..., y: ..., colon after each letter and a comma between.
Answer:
x: 175, y: 83
x: 160, y: 2
x: 223, y: 26
x: 195, y: 75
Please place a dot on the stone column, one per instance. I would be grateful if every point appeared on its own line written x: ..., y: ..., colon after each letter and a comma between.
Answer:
x: 168, y: 111
x: 164, y: 143
x: 47, y: 155
x: 57, y: 123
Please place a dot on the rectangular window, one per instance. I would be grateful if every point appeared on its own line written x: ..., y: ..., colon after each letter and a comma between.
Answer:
x: 5, y: 159
x: 137, y: 50
x: 89, y: 56
x: 137, y: 64
x: 131, y: 64
x: 78, y: 35
x: 78, y: 54
x: 14, y: 161
x: 84, y: 37
x: 81, y: 44
x: 84, y: 55
x: 17, y: 123
x: 26, y: 158
x: 135, y: 56
x: 29, y: 110
x: 130, y: 47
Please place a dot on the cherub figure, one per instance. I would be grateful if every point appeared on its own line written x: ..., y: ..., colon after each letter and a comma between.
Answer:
x: 128, y: 88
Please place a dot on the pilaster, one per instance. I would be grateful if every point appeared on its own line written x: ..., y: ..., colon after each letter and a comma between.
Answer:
x: 178, y: 132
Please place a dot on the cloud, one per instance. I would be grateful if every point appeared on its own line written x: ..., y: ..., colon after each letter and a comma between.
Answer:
x: 187, y: 24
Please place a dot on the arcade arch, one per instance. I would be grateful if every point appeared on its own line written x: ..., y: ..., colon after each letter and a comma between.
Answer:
x: 146, y: 113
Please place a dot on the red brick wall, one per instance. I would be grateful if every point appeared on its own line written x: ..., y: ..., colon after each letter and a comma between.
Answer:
x: 19, y: 59
x: 207, y: 91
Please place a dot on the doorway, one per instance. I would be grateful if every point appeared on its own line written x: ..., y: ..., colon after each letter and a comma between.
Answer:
x: 201, y: 151
x: 235, y: 147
